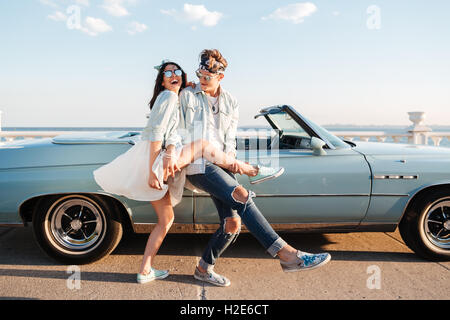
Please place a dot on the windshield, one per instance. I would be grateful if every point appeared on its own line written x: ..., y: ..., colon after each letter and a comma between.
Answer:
x: 335, y: 141
x: 288, y: 125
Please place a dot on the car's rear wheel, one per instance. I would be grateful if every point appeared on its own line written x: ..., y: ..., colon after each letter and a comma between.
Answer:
x: 425, y: 228
x: 76, y: 229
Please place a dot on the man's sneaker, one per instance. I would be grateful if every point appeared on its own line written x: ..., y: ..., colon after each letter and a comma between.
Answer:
x: 153, y: 275
x: 306, y: 261
x: 212, y: 277
x: 266, y: 173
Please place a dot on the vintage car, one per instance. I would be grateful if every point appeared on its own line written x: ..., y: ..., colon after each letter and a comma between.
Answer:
x: 329, y: 185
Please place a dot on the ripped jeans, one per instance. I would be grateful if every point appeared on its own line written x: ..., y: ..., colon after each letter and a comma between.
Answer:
x: 220, y: 184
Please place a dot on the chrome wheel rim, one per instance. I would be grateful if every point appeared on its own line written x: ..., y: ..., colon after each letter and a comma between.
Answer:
x: 437, y: 224
x: 77, y: 224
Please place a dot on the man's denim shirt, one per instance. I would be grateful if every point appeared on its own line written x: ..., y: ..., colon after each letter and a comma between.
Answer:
x: 194, y: 112
x: 162, y: 124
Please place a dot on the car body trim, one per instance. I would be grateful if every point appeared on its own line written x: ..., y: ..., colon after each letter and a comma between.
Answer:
x: 279, y: 227
x: 278, y: 195
x: 396, y: 176
x: 11, y: 225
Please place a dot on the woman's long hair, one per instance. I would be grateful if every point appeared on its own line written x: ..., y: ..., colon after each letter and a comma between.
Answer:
x: 159, y: 80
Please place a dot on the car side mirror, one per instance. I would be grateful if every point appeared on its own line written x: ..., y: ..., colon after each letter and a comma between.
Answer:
x: 317, y: 146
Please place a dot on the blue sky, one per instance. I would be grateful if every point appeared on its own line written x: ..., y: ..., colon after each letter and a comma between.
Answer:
x: 337, y: 62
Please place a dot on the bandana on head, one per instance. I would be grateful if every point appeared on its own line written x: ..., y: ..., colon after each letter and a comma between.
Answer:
x: 205, y: 65
x: 162, y: 62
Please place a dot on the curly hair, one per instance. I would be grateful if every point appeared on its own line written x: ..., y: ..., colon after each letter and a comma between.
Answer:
x: 213, y: 60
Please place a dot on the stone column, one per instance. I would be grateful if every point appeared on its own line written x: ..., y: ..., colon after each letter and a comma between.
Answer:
x: 418, y: 131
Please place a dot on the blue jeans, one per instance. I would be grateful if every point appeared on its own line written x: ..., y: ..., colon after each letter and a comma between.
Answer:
x: 220, y: 184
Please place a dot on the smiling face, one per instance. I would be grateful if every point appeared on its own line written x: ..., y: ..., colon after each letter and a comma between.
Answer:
x: 172, y: 83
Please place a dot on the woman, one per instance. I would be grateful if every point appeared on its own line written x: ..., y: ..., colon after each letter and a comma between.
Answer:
x: 141, y: 173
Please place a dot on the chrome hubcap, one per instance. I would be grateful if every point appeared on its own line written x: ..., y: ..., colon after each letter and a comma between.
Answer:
x: 437, y: 224
x: 77, y: 224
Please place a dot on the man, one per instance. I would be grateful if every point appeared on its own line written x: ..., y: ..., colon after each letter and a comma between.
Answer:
x: 211, y: 113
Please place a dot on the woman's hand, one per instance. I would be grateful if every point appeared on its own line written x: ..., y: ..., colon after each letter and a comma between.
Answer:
x: 170, y: 166
x: 153, y: 181
x: 236, y: 168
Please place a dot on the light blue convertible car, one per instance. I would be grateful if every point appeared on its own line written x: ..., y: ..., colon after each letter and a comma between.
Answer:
x: 329, y: 185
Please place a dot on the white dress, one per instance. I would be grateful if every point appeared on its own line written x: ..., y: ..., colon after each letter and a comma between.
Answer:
x: 127, y: 175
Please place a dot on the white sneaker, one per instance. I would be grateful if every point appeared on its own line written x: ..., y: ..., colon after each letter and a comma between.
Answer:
x: 152, y: 275
x: 266, y: 173
x: 211, y: 277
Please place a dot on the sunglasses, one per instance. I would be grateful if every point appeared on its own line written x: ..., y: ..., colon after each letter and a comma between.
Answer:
x: 207, y: 78
x: 169, y: 73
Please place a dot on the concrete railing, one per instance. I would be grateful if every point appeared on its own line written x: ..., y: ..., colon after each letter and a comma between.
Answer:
x: 417, y: 133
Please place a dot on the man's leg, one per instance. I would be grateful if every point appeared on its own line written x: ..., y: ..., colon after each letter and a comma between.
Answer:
x: 225, y: 188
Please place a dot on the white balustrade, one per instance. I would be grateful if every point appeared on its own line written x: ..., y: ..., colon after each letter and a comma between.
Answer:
x: 417, y: 133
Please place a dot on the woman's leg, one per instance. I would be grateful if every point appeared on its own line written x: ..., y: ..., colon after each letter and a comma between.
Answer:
x: 203, y: 149
x: 164, y: 211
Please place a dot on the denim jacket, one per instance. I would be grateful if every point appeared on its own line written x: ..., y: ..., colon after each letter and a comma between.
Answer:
x: 194, y: 111
x: 162, y: 124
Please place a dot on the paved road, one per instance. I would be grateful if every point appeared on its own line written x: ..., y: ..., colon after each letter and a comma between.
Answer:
x: 363, y: 266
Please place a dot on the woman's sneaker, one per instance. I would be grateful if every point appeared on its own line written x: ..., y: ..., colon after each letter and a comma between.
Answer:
x: 306, y: 261
x: 211, y: 277
x: 153, y: 275
x: 266, y: 173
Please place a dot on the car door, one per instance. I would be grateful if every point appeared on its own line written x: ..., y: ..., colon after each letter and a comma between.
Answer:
x: 329, y: 188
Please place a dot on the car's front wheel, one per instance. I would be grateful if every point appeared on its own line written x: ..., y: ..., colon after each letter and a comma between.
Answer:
x: 76, y: 229
x: 425, y: 228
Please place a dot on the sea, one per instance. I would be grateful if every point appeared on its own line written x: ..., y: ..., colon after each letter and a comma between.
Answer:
x: 335, y: 129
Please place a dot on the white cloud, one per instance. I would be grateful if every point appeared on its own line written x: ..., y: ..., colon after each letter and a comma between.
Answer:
x: 136, y: 27
x: 57, y: 16
x: 115, y: 8
x: 94, y: 26
x: 294, y: 13
x: 196, y: 14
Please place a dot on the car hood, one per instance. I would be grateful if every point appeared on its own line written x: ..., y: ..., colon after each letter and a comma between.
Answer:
x: 398, y: 149
x: 66, y: 150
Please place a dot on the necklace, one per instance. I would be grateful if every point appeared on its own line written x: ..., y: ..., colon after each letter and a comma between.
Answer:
x: 214, y: 106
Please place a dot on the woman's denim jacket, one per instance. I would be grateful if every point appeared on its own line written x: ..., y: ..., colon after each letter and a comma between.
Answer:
x: 162, y: 124
x: 194, y: 110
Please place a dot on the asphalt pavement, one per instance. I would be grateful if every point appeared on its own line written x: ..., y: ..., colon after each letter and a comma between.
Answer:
x: 364, y: 266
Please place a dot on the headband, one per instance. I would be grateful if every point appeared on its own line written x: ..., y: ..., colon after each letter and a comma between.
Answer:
x: 162, y: 63
x: 205, y: 65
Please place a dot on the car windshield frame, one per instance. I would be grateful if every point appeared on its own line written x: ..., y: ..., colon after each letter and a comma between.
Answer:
x: 305, y: 125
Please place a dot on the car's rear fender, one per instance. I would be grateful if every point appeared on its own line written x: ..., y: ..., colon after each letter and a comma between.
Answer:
x: 27, y: 207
